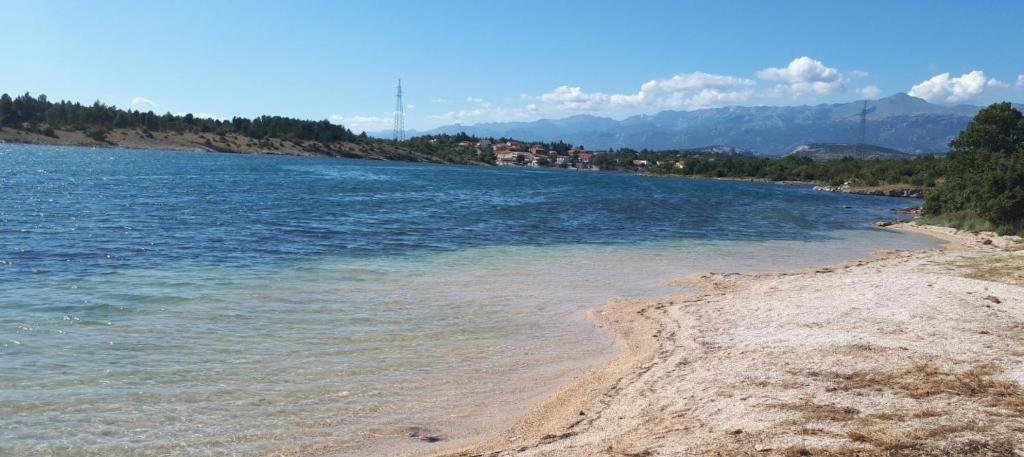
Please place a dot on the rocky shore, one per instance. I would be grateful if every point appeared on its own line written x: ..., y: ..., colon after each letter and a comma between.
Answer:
x: 907, y: 353
x: 884, y: 191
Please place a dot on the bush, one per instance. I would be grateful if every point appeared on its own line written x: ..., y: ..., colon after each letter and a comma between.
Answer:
x: 97, y: 134
x: 985, y: 171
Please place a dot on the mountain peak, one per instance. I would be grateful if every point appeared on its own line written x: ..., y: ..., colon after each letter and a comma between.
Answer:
x: 902, y: 97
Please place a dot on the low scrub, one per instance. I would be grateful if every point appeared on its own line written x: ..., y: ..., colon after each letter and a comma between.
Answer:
x: 961, y: 220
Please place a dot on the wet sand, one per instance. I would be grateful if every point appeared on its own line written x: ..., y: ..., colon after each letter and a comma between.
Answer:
x: 908, y: 353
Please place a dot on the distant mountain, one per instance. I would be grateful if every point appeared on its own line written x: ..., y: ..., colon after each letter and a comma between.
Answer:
x: 832, y: 151
x: 898, y: 122
x: 724, y: 150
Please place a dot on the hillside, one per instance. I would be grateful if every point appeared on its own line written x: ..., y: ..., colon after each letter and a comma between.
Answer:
x: 898, y: 122
x: 832, y: 151
x: 36, y: 120
x: 192, y: 141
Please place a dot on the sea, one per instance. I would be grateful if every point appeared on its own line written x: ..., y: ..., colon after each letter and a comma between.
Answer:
x: 162, y: 303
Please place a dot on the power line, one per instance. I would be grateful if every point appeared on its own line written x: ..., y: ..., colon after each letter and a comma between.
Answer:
x: 399, y: 132
x: 861, y: 137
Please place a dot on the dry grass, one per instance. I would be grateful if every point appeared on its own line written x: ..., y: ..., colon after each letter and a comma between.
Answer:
x: 964, y: 448
x: 928, y: 380
x: 1007, y: 269
x: 810, y: 411
x: 884, y: 436
x: 993, y: 429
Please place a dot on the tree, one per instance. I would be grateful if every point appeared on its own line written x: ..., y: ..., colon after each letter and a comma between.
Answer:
x: 6, y: 110
x: 985, y: 171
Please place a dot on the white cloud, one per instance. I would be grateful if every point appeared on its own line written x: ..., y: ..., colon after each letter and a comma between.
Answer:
x: 1020, y: 80
x: 410, y: 106
x: 361, y: 123
x: 943, y: 88
x: 439, y: 100
x: 869, y: 91
x: 803, y: 76
x: 144, y: 104
x: 696, y: 81
x: 686, y: 91
x: 574, y: 99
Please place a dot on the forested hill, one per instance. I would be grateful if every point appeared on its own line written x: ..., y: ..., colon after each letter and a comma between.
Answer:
x: 27, y: 111
x: 28, y: 119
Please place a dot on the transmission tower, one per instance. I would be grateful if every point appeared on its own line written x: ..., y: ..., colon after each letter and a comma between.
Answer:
x: 399, y: 133
x: 863, y: 123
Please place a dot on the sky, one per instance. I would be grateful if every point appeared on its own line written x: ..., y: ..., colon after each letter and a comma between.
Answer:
x: 485, y: 61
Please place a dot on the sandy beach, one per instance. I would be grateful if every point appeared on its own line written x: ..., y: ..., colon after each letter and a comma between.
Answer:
x: 908, y: 353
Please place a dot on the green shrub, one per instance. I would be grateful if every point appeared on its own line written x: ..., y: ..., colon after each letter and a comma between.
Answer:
x: 985, y: 171
x: 97, y: 134
x: 961, y: 220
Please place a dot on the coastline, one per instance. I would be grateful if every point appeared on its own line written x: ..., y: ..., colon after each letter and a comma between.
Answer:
x: 838, y: 360
x: 208, y: 142
x: 236, y: 144
x: 884, y: 190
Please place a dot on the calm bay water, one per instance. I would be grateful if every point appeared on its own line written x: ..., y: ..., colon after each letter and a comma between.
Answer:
x: 168, y: 303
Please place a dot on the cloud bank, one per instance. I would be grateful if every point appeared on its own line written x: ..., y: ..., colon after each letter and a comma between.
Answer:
x: 144, y: 104
x: 945, y: 89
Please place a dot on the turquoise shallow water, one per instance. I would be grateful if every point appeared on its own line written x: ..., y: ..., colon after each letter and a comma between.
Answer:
x: 163, y: 303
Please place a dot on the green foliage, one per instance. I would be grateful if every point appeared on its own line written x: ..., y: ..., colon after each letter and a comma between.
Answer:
x: 461, y: 147
x: 98, y: 134
x: 7, y: 117
x: 962, y: 220
x: 919, y: 171
x: 457, y: 148
x: 26, y: 109
x: 985, y: 171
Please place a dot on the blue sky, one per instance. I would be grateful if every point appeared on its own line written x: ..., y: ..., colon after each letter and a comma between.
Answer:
x: 478, y: 61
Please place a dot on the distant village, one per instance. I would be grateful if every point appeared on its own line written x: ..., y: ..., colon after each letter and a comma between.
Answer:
x: 517, y: 154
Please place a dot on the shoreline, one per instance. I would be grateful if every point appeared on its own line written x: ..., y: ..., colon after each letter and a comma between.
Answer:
x: 123, y: 138
x: 886, y: 190
x: 672, y: 389
x: 236, y: 144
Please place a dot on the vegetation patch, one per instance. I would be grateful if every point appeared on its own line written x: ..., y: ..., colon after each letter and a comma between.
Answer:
x: 928, y: 380
x: 1006, y: 269
x: 984, y: 174
x: 811, y: 411
x: 1002, y: 447
x: 967, y: 412
x: 960, y: 220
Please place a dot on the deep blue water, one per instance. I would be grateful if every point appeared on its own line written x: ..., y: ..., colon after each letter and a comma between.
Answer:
x: 68, y: 211
x: 172, y: 303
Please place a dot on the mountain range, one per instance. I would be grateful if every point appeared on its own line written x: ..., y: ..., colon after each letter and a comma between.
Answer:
x: 899, y: 122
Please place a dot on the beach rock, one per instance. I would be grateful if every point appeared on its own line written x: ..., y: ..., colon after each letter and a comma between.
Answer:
x: 422, y: 434
x: 898, y: 191
x: 912, y: 210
